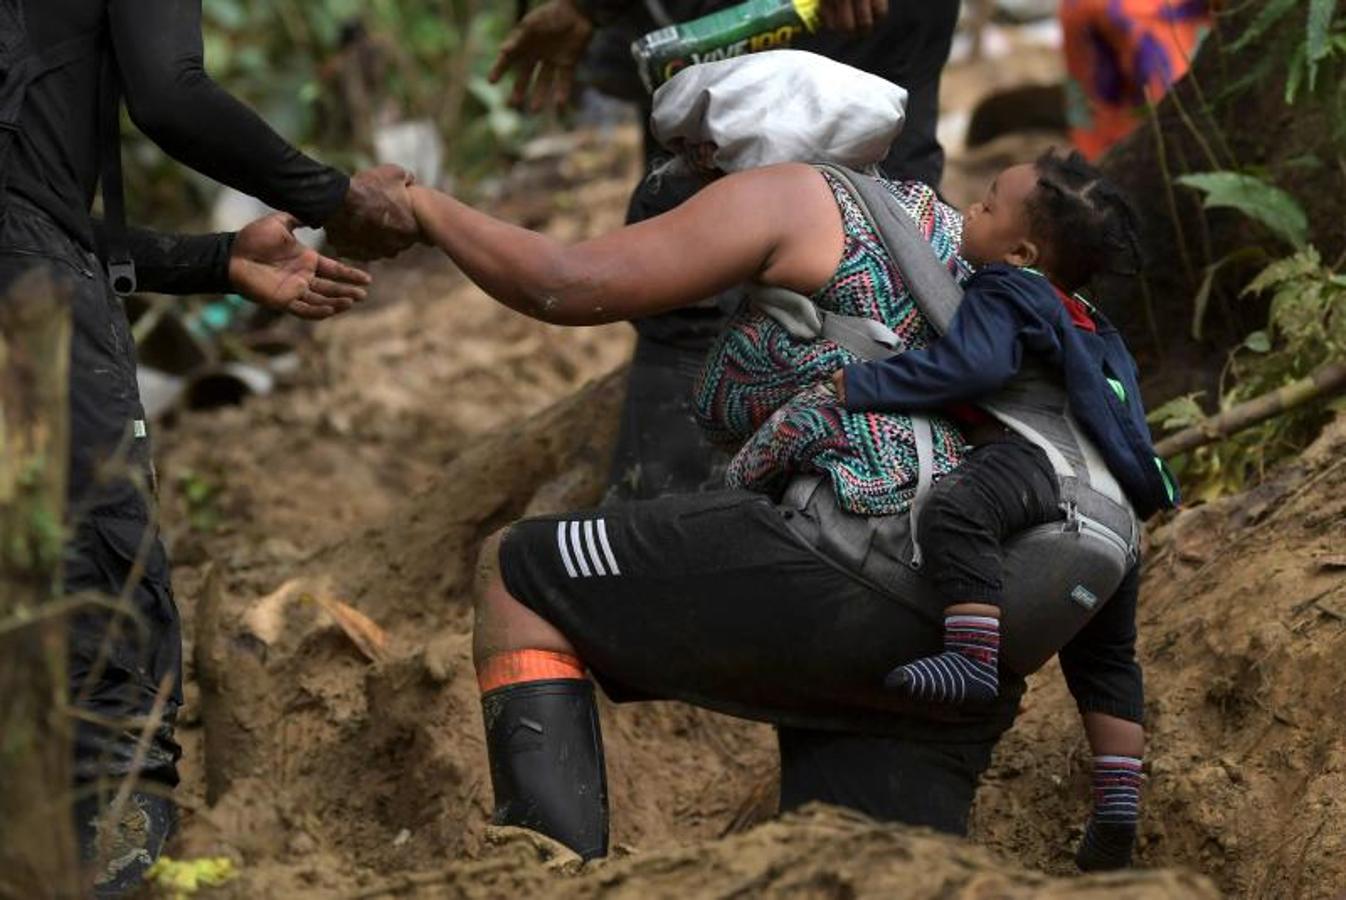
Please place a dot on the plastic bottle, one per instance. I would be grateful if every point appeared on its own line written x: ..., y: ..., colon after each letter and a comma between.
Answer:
x: 747, y: 28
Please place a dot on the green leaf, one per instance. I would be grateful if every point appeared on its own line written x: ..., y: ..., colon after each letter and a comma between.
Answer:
x: 1256, y: 74
x: 1304, y: 264
x: 1202, y: 299
x: 1320, y: 19
x: 1258, y: 342
x: 1256, y: 199
x: 1178, y: 413
x: 1271, y: 13
x: 1299, y: 68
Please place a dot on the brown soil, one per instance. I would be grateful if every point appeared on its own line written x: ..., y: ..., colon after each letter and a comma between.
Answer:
x: 425, y: 422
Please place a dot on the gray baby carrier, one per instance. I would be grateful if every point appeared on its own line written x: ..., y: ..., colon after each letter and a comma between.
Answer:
x: 1057, y: 576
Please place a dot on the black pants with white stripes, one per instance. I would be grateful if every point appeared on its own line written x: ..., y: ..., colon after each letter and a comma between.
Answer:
x: 712, y: 599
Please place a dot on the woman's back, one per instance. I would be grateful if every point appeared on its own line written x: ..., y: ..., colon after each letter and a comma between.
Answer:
x: 763, y: 386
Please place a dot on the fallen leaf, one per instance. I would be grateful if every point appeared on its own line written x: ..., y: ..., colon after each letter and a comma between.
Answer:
x: 365, y: 634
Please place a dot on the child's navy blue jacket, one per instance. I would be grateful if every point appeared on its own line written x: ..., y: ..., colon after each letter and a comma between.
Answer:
x: 1007, y: 312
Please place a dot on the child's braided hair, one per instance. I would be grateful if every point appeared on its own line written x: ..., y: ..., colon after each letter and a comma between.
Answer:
x: 1085, y: 219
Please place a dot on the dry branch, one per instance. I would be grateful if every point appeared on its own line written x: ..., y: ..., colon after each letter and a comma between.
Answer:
x: 37, y: 849
x: 1325, y: 382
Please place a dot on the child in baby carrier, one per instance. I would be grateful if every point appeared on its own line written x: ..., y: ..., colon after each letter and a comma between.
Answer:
x: 1042, y: 232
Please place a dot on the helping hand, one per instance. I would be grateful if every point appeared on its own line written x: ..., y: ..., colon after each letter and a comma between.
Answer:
x: 544, y: 50
x: 377, y: 221
x: 852, y: 16
x: 269, y: 266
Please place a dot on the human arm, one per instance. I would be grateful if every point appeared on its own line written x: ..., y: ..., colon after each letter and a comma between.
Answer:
x: 850, y: 16
x: 777, y: 225
x: 1103, y: 675
x: 980, y: 353
x: 175, y: 103
x: 264, y: 263
x: 175, y: 263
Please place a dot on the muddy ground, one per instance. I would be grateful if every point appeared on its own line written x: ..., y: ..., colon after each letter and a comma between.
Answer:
x: 430, y: 418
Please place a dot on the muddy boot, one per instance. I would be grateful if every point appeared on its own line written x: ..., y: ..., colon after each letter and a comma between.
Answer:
x: 546, y: 755
x: 121, y: 852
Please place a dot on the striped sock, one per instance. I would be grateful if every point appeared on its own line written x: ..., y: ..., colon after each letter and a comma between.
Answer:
x: 1110, y: 834
x: 965, y: 672
x: 522, y: 666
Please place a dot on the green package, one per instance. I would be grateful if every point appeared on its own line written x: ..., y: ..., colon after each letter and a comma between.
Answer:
x: 750, y: 27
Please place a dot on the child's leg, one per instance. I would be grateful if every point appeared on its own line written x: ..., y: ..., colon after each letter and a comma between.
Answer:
x: 1003, y: 488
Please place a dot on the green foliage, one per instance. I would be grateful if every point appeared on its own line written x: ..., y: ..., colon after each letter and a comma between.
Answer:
x: 1306, y: 328
x: 1255, y: 198
x: 1272, y: 12
x: 324, y: 74
x: 1303, y: 43
x: 200, y: 496
x: 1308, y: 310
x: 1178, y: 413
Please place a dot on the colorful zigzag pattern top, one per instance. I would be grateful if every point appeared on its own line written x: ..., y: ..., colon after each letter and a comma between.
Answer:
x: 769, y: 392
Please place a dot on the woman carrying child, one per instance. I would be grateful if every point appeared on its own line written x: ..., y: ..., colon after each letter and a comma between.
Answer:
x: 718, y: 598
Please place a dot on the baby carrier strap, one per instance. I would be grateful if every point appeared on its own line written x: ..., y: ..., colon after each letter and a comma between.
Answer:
x: 1034, y: 405
x: 1099, y: 520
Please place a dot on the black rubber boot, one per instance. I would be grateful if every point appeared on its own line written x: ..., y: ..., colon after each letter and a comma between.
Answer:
x: 546, y: 756
x: 121, y: 852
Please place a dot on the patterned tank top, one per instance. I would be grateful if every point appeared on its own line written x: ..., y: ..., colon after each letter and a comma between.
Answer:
x: 768, y: 393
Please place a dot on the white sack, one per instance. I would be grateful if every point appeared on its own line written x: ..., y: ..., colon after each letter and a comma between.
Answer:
x: 781, y: 106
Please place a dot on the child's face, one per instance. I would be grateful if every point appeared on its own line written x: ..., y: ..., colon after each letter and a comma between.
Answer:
x: 997, y: 229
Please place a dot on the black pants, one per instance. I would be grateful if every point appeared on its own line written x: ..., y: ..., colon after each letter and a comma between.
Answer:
x: 1004, y: 487
x: 715, y: 599
x: 891, y: 779
x: 117, y: 660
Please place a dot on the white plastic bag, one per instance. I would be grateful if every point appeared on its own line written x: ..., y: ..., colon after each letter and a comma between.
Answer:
x: 781, y: 106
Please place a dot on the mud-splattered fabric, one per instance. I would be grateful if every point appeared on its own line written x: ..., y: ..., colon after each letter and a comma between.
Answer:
x: 1121, y: 55
x: 769, y: 391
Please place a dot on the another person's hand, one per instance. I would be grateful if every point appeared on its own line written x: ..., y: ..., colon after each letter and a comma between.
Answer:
x: 544, y: 50
x: 852, y: 16
x: 377, y: 221
x: 269, y: 266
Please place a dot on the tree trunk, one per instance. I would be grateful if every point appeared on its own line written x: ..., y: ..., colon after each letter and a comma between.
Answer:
x: 1220, y: 118
x: 37, y: 847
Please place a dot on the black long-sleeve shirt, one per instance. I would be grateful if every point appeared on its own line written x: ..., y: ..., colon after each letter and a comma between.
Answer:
x: 159, y: 53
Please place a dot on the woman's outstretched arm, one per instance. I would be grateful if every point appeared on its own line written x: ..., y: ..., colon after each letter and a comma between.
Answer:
x: 778, y: 225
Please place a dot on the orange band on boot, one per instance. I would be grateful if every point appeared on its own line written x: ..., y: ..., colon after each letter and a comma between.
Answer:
x: 522, y: 666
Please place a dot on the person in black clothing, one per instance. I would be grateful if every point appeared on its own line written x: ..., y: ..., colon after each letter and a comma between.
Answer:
x: 63, y: 64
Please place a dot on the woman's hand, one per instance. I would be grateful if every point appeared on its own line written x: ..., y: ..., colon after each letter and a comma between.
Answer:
x: 270, y: 267
x: 839, y: 385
